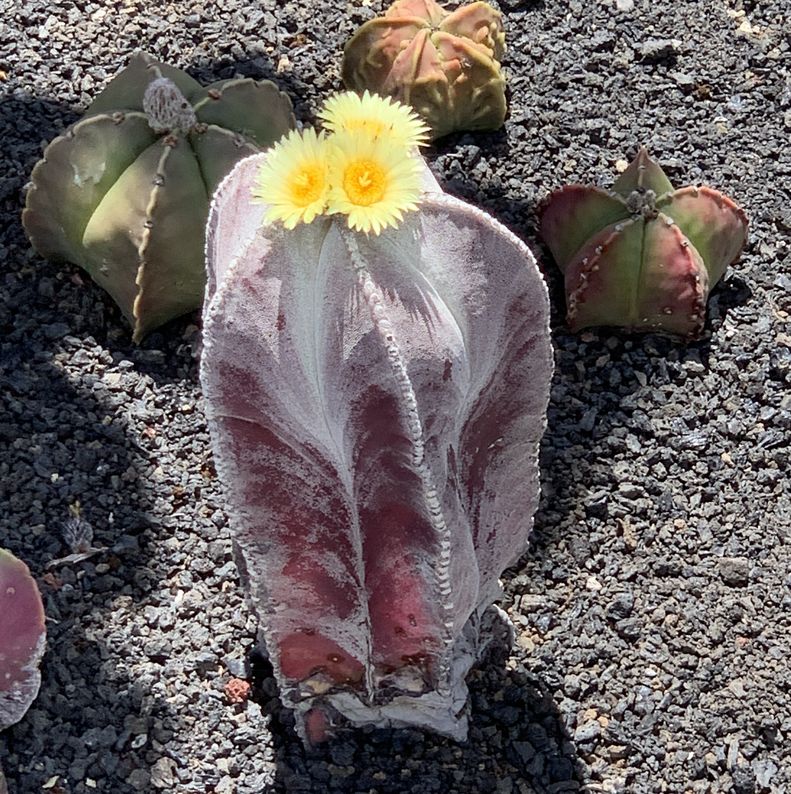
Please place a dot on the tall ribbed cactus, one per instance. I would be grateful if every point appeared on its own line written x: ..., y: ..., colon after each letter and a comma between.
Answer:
x: 22, y: 639
x: 124, y: 192
x: 376, y: 405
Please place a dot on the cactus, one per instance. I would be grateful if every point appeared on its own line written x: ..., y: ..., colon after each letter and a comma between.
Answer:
x: 375, y: 403
x: 124, y: 193
x: 446, y: 65
x: 22, y: 639
x: 642, y: 256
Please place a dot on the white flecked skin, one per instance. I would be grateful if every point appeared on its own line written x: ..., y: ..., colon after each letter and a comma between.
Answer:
x: 22, y: 639
x: 375, y: 405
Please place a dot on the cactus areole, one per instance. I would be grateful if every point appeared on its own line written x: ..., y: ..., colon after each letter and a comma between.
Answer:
x: 22, y: 639
x: 446, y: 65
x: 375, y: 404
x: 124, y: 193
x: 644, y: 255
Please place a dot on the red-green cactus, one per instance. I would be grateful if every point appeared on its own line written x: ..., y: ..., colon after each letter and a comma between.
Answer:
x: 22, y: 639
x: 642, y: 256
x: 124, y: 193
x: 376, y: 404
x: 446, y: 65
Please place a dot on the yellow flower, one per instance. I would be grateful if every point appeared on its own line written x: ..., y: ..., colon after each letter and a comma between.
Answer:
x: 294, y: 179
x: 377, y: 116
x: 372, y: 181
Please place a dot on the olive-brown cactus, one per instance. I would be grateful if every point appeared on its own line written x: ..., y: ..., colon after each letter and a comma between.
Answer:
x: 642, y: 256
x: 124, y: 192
x: 22, y: 639
x: 446, y: 65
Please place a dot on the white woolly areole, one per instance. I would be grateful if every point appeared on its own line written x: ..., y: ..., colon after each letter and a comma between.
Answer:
x: 167, y: 108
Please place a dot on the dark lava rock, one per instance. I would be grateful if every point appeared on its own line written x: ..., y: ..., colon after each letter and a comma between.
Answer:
x: 735, y: 571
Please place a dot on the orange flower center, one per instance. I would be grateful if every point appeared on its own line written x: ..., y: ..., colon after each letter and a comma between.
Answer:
x: 364, y: 182
x: 307, y: 185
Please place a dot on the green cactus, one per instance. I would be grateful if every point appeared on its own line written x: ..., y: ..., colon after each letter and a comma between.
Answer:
x: 124, y: 192
x: 446, y: 65
x: 643, y: 256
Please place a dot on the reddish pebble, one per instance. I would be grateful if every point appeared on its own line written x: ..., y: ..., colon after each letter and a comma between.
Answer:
x: 237, y: 690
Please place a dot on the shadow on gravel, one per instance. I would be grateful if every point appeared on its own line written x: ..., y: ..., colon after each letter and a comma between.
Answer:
x: 516, y: 743
x: 61, y: 441
x: 58, y: 445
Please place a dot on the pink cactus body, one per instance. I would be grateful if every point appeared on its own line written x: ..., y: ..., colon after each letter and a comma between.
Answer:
x: 643, y: 256
x: 22, y: 639
x: 375, y: 405
x: 445, y: 64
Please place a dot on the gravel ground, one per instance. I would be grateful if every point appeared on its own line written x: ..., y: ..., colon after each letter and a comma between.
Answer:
x: 654, y: 606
